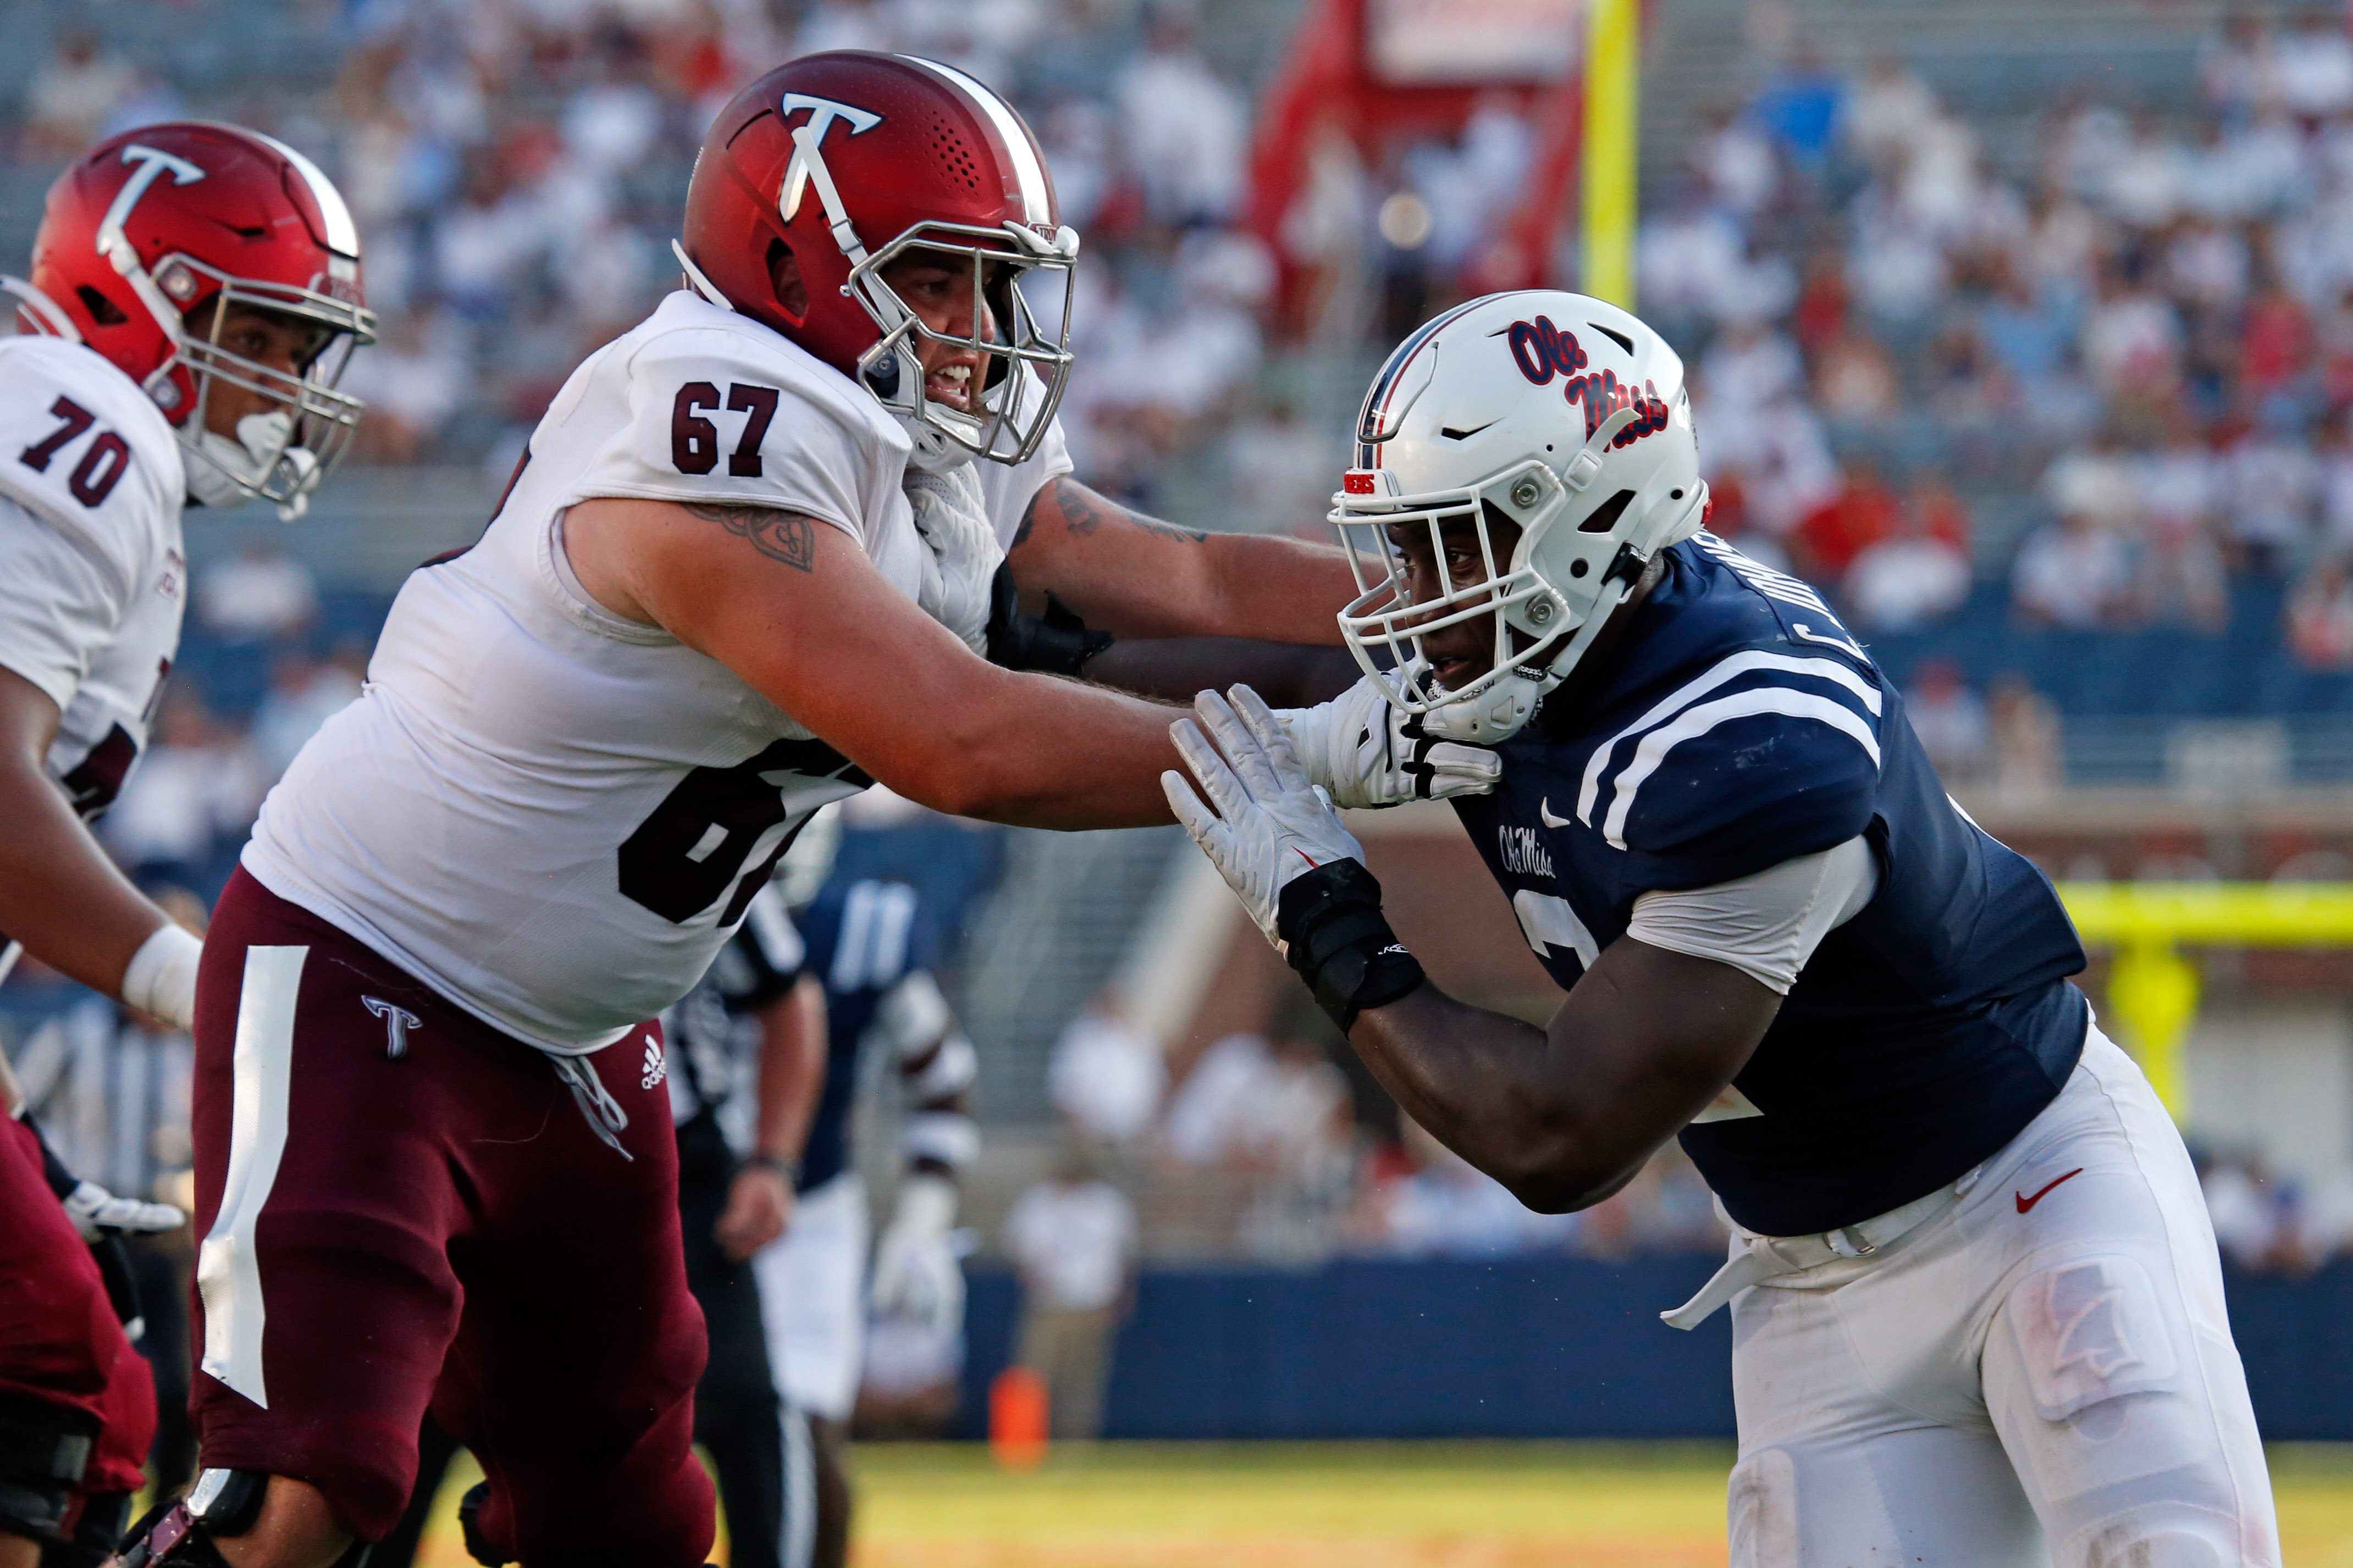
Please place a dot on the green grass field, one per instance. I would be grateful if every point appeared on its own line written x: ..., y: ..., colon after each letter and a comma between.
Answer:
x: 1361, y: 1505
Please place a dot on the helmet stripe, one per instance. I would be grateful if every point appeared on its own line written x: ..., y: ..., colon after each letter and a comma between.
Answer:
x: 1377, y: 395
x: 343, y: 234
x: 1027, y: 171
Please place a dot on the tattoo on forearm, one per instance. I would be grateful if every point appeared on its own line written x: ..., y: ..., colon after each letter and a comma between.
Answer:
x: 1082, y: 514
x: 1168, y: 529
x: 783, y: 536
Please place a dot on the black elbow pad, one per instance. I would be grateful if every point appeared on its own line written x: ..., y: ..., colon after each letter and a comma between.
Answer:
x: 1056, y: 643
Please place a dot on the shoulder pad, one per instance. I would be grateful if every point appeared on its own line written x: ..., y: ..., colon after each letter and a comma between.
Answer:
x: 83, y: 448
x: 1762, y: 755
x: 720, y: 410
x: 692, y: 337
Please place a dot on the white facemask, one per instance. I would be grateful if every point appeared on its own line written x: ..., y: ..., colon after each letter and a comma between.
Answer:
x: 224, y: 473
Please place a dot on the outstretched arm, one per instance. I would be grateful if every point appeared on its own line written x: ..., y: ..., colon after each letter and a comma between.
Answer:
x: 1566, y: 1115
x: 796, y: 609
x: 1139, y: 577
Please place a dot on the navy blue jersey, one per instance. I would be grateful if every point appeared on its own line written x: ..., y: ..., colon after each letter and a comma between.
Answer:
x: 864, y: 936
x: 1737, y: 726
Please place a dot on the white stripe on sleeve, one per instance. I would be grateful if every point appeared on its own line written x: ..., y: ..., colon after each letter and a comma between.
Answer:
x: 1722, y: 673
x: 1694, y: 723
x: 772, y: 927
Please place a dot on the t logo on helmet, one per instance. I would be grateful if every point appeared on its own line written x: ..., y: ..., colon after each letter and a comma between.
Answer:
x: 823, y: 112
x: 113, y: 243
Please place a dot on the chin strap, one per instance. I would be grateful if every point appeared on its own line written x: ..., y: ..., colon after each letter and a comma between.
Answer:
x: 46, y: 313
x: 696, y: 281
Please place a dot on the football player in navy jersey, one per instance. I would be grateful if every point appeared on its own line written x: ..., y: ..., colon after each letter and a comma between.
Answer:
x: 1977, y: 1310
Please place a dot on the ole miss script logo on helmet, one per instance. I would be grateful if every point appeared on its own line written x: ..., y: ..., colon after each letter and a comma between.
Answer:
x: 1543, y: 351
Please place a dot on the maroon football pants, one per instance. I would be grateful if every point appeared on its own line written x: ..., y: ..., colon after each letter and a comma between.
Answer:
x: 60, y: 1342
x: 404, y: 1207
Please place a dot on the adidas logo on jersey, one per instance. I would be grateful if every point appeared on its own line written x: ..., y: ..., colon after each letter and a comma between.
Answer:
x: 657, y: 1065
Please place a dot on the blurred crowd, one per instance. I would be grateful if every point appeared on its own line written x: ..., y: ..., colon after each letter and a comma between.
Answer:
x: 2148, y: 316
x: 2273, y: 1222
x: 516, y: 167
x: 2106, y: 357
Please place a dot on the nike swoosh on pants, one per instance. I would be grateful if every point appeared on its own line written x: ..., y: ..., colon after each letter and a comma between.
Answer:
x: 2025, y: 1203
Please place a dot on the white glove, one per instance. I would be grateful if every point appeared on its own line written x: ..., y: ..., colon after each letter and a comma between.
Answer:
x: 1272, y: 823
x: 916, y: 1274
x: 93, y: 1208
x: 1365, y: 753
x: 963, y: 555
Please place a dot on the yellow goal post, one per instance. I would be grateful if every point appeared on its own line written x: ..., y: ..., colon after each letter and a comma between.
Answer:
x: 2152, y: 989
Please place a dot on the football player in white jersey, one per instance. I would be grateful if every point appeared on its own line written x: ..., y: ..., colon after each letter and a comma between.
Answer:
x: 750, y: 561
x: 195, y: 290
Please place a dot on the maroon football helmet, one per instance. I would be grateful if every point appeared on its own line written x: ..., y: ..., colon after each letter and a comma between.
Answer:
x: 851, y: 159
x: 144, y: 245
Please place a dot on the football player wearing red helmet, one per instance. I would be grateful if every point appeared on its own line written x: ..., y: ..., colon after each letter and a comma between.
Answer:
x: 756, y: 556
x: 195, y: 290
x: 219, y: 269
x: 883, y: 213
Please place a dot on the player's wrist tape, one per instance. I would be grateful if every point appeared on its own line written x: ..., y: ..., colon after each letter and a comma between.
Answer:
x: 1337, y: 939
x: 162, y: 976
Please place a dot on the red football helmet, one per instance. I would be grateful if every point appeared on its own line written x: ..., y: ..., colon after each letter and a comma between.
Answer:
x: 154, y: 225
x: 850, y: 160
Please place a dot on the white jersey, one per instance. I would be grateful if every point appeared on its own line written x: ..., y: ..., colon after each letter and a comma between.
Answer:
x: 555, y: 817
x: 93, y: 575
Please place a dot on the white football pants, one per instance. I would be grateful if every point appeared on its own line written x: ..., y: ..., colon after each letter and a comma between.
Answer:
x: 2043, y: 1374
x: 812, y: 1298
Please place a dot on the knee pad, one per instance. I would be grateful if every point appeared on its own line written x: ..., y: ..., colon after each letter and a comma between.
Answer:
x: 44, y: 1449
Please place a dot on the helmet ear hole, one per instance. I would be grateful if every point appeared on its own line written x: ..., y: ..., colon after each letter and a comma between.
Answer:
x: 102, y: 311
x: 1604, y: 518
x: 785, y: 282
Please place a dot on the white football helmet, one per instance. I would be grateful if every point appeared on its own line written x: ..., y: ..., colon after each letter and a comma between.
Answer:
x: 1559, y: 414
